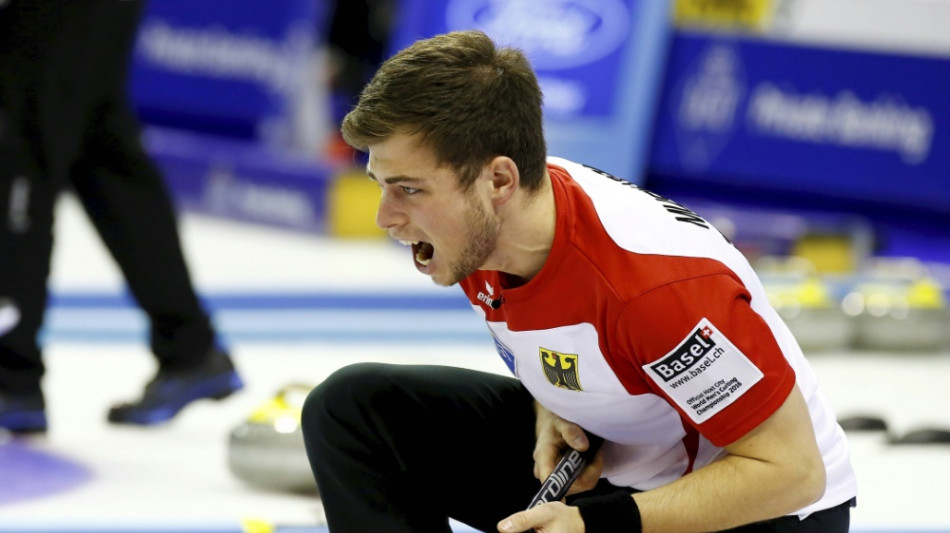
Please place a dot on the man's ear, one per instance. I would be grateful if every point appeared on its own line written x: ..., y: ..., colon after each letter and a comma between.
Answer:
x: 505, y: 179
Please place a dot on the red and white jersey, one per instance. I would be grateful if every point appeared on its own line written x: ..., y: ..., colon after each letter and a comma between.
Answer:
x: 647, y: 327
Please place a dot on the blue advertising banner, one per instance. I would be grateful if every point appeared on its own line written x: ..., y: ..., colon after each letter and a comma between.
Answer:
x: 236, y: 68
x: 837, y: 123
x: 599, y: 63
x: 241, y: 180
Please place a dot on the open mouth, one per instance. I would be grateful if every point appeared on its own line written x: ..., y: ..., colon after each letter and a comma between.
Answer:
x: 421, y: 252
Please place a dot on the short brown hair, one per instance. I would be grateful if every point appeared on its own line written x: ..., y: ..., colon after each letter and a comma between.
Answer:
x: 469, y: 101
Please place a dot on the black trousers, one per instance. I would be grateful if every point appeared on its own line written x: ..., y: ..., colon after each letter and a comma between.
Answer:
x: 65, y: 123
x: 403, y: 448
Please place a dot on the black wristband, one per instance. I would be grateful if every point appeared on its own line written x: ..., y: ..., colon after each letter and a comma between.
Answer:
x: 611, y: 513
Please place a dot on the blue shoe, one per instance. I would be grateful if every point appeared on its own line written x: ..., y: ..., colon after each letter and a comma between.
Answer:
x: 22, y: 413
x: 170, y: 391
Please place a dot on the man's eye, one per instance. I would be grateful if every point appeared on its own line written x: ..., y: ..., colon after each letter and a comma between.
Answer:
x: 409, y: 190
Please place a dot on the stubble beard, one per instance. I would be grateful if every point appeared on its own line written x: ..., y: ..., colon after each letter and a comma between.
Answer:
x: 483, y: 230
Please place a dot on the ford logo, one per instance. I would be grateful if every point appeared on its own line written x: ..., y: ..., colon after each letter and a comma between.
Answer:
x: 554, y: 34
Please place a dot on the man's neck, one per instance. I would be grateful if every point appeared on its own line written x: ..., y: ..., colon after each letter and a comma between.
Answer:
x: 527, y: 234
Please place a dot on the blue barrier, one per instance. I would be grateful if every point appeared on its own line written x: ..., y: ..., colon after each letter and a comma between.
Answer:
x: 242, y: 180
x: 224, y: 67
x: 599, y: 63
x: 854, y: 126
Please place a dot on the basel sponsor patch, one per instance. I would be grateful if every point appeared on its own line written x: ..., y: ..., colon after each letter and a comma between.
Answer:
x: 560, y: 369
x: 705, y: 373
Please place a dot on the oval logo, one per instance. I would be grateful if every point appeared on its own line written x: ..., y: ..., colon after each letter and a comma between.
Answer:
x: 554, y: 34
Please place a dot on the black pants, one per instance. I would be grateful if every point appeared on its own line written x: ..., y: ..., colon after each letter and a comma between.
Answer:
x: 403, y: 448
x: 65, y: 122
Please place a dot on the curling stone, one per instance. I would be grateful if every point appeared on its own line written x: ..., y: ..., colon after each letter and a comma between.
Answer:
x: 898, y: 308
x: 863, y: 423
x: 924, y: 436
x: 805, y: 303
x: 267, y: 449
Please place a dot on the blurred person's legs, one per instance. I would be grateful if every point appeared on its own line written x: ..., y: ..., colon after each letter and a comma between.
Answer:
x: 128, y: 202
x: 36, y: 127
x: 63, y: 116
x: 25, y: 245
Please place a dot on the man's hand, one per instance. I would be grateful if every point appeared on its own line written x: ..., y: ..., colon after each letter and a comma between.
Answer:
x: 554, y: 517
x: 554, y: 436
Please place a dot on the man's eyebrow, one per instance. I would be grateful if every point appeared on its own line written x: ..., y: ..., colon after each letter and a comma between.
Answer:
x: 393, y: 179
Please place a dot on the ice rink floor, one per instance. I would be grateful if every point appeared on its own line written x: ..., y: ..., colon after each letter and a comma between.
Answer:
x: 293, y: 308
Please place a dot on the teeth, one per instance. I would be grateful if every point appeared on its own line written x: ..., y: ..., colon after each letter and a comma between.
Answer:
x: 408, y: 243
x: 423, y: 262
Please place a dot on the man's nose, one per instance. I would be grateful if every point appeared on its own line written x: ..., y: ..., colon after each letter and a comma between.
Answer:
x: 388, y: 216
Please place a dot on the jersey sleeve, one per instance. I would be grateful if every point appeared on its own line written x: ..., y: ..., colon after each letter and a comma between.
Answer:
x: 700, y: 345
